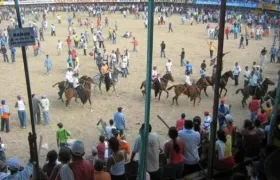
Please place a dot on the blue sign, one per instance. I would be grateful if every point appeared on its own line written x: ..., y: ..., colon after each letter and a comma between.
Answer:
x: 233, y: 3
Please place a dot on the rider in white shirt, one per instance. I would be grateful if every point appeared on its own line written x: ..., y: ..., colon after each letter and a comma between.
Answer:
x: 69, y: 78
x: 154, y: 73
x: 188, y: 79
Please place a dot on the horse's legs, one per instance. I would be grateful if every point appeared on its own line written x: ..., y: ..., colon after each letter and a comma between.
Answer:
x: 159, y: 94
x: 220, y: 92
x: 114, y: 90
x: 167, y: 94
x: 143, y: 92
x: 100, y: 88
x: 205, y: 88
x: 225, y: 92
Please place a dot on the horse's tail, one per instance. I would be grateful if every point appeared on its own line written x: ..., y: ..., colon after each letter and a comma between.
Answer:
x: 236, y: 92
x: 107, y: 83
x: 57, y: 83
x: 168, y: 89
x: 142, y: 85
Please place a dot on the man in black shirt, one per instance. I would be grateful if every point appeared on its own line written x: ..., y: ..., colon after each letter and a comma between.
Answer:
x: 203, y: 65
x: 162, y: 49
x: 182, y: 57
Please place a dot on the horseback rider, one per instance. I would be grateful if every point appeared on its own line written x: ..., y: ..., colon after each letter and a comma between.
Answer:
x: 76, y: 80
x: 69, y: 78
x: 104, y: 71
x: 188, y: 81
x: 253, y: 81
x: 154, y: 74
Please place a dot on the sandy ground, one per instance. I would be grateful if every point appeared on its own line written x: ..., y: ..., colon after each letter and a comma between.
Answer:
x: 80, y: 121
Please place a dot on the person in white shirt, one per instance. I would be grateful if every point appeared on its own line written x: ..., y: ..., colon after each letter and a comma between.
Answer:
x: 154, y: 73
x: 59, y: 47
x: 45, y: 104
x: 188, y: 81
x: 94, y: 39
x: 75, y: 80
x: 127, y: 54
x: 108, y: 129
x: 20, y: 105
x: 246, y: 75
x: 85, y: 47
x: 207, y: 121
x: 236, y: 72
x: 113, y: 60
x: 123, y: 66
x: 53, y: 30
x: 153, y: 150
x: 168, y: 66
x: 69, y: 78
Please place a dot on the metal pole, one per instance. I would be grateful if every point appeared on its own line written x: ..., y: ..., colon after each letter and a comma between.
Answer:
x: 274, y: 114
x: 28, y: 86
x: 145, y: 133
x: 216, y: 90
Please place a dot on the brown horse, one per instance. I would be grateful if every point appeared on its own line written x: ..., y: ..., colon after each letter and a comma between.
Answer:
x: 85, y: 82
x: 159, y: 87
x: 223, y: 82
x: 258, y: 92
x: 191, y: 91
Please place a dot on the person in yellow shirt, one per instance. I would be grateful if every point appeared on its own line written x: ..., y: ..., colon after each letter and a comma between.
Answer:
x: 77, y: 64
x: 212, y: 47
x: 104, y: 71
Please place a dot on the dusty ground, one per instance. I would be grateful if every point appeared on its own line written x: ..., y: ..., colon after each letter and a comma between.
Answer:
x: 80, y: 121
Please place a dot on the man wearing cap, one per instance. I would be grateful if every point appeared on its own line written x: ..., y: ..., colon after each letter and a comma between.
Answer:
x: 81, y: 169
x: 5, y: 116
x: 17, y: 171
x: 69, y: 78
x: 119, y: 120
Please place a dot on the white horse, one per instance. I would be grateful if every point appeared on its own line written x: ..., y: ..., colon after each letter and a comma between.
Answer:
x: 113, y: 80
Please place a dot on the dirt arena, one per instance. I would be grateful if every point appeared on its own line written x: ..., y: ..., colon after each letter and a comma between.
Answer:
x: 80, y: 121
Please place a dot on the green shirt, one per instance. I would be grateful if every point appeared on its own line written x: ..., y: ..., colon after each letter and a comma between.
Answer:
x: 62, y: 135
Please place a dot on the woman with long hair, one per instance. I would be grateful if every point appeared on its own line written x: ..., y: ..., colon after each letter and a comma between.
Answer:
x: 116, y: 162
x: 174, y: 151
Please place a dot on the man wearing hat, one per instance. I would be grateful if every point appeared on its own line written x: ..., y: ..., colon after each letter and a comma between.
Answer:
x: 223, y: 110
x: 17, y: 171
x: 5, y: 116
x: 81, y: 169
x: 69, y: 78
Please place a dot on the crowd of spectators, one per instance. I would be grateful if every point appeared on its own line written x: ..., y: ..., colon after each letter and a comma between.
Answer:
x: 183, y: 153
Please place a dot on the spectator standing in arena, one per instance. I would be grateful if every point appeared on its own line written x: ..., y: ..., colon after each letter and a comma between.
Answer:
x: 181, y: 122
x: 20, y: 105
x: 62, y: 136
x: 119, y: 120
x: 36, y: 109
x: 5, y: 116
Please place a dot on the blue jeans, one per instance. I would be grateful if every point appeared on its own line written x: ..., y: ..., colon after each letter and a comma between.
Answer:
x: 22, y: 118
x: 13, y: 57
x: 5, y: 57
x: 114, y: 40
x: 46, y: 117
x: 162, y: 53
x: 253, y: 116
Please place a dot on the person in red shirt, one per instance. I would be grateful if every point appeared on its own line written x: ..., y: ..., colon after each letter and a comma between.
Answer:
x: 254, y: 108
x: 74, y: 55
x: 81, y: 169
x: 101, y: 148
x: 180, y: 122
x: 69, y: 43
x: 262, y: 117
x: 227, y: 32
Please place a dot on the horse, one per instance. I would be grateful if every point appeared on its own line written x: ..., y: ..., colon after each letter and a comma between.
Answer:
x: 223, y: 82
x: 61, y: 87
x: 85, y: 82
x: 113, y: 80
x: 270, y: 95
x: 192, y: 91
x: 258, y: 92
x: 159, y: 87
